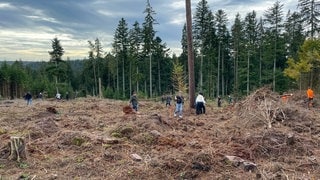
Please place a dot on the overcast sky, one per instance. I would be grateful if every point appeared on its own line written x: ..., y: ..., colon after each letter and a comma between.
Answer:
x: 28, y: 26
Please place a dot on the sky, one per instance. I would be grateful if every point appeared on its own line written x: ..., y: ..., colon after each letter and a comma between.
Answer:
x: 27, y: 27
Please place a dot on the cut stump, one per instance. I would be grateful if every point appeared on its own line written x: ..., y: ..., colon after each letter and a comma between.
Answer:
x: 17, y: 148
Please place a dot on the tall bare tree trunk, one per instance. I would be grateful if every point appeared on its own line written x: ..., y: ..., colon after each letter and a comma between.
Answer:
x: 218, y: 75
x: 190, y: 54
x: 150, y: 71
x: 159, y: 78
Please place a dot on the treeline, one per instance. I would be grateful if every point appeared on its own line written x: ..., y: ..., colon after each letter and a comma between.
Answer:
x: 279, y: 49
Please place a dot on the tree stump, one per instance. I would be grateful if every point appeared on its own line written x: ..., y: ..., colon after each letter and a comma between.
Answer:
x: 17, y: 148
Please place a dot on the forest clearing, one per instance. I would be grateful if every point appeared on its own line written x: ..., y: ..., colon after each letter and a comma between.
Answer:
x: 90, y: 138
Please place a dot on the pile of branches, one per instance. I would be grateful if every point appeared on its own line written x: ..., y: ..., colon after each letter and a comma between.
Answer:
x: 261, y: 108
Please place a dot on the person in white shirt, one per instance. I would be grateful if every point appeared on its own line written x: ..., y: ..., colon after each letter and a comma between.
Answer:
x: 200, y: 104
x: 58, y: 96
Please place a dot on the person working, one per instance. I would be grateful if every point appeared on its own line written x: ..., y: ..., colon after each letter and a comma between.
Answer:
x: 200, y: 102
x: 310, y: 97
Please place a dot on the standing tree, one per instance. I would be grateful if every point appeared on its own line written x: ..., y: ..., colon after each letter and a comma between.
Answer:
x: 120, y: 46
x: 251, y: 27
x: 95, y: 56
x: 56, y: 63
x: 260, y: 39
x: 148, y: 38
x: 178, y: 78
x: 308, y: 61
x: 223, y: 35
x: 160, y: 54
x: 237, y: 35
x: 310, y: 11
x: 183, y: 59
x: 274, y: 17
x: 135, y: 41
x: 293, y: 34
x: 203, y: 24
x: 190, y: 54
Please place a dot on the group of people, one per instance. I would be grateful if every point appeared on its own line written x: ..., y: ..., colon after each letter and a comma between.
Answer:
x: 28, y: 97
x: 199, y: 102
x: 179, y: 101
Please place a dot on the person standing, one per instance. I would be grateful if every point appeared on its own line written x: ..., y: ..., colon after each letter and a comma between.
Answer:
x: 310, y: 97
x: 28, y: 98
x: 58, y: 96
x: 230, y: 99
x: 67, y: 96
x: 40, y: 96
x: 168, y: 100
x: 200, y: 104
x: 134, y: 101
x: 219, y: 101
x: 179, y: 105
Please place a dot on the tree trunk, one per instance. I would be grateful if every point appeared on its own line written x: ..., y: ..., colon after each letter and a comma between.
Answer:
x: 218, y: 69
x: 150, y: 75
x: 190, y: 54
x: 130, y: 78
x: 159, y: 78
x: 17, y: 148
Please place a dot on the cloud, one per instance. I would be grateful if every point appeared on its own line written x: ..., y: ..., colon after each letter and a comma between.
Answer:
x: 6, y: 6
x: 28, y: 26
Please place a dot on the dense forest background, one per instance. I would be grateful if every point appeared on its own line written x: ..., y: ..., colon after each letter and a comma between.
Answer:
x: 279, y: 49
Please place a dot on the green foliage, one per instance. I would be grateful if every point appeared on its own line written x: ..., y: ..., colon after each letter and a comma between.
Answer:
x: 310, y: 13
x: 295, y: 69
x: 178, y: 78
x: 112, y: 94
x: 78, y: 141
x: 309, y: 58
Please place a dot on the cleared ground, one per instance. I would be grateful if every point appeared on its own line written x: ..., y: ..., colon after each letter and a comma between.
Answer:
x: 91, y: 138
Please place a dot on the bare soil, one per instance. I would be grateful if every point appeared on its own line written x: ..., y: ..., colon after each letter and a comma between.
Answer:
x: 90, y: 138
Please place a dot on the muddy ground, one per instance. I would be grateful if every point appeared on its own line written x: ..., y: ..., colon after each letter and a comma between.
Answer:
x: 260, y: 137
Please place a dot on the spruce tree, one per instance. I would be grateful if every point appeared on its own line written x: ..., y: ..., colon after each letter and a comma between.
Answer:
x: 148, y: 39
x: 310, y: 16
x: 274, y: 17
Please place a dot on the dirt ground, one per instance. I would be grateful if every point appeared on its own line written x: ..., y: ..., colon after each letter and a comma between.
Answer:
x: 260, y: 137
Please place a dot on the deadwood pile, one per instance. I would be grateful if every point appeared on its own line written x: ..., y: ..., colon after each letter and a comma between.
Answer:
x: 260, y: 137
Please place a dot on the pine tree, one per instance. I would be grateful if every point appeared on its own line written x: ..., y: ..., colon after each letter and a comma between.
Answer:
x: 310, y: 12
x: 120, y: 46
x: 95, y: 56
x: 274, y: 16
x: 148, y: 39
x: 178, y: 78
x: 236, y: 39
x: 250, y: 33
x: 135, y: 40
x: 223, y: 39
x: 203, y: 24
x: 56, y: 58
x: 293, y: 34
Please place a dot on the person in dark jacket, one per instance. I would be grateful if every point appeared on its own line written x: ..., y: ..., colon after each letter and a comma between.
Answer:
x: 134, y: 101
x: 28, y: 98
x: 179, y: 105
x: 219, y: 101
x: 168, y: 100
